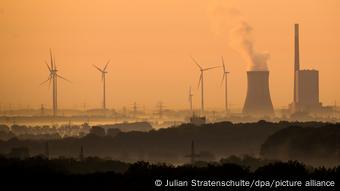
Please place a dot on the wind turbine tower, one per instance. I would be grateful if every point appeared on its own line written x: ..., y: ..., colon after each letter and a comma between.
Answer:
x: 201, y: 82
x: 103, y: 72
x: 190, y: 100
x: 53, y: 77
x: 224, y: 77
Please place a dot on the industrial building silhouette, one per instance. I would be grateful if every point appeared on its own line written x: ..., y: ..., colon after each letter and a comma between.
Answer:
x: 306, y: 89
x: 306, y: 83
x: 258, y: 101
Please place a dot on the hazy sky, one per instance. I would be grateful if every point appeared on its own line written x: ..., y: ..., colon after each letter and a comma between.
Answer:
x: 149, y: 43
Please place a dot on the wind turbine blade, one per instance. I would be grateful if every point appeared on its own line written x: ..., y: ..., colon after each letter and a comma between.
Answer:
x: 54, y: 64
x: 200, y: 80
x: 49, y: 68
x: 223, y: 64
x: 63, y: 78
x: 222, y: 79
x: 49, y: 83
x: 49, y: 78
x: 205, y: 69
x: 193, y: 59
x: 106, y: 65
x: 100, y: 70
x: 52, y: 67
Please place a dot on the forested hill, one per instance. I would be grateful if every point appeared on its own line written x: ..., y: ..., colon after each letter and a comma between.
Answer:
x: 212, y: 141
x: 308, y: 144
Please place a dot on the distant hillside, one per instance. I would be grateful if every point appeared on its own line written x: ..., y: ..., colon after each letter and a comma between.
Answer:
x: 212, y: 141
x: 312, y: 145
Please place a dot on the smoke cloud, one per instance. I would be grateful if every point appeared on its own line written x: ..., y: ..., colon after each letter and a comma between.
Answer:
x: 225, y: 18
x: 241, y: 40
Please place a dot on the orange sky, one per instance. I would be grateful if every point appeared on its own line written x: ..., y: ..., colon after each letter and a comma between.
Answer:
x: 149, y: 43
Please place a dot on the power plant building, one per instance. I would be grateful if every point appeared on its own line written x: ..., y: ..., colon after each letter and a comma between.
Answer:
x: 306, y: 83
x: 308, y: 90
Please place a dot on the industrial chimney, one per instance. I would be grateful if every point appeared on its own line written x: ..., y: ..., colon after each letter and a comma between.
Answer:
x: 296, y: 62
x: 258, y: 101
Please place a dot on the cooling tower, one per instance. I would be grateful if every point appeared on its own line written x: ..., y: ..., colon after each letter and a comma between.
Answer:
x: 258, y: 101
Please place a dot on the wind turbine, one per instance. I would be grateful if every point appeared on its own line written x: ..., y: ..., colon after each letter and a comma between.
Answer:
x: 53, y: 77
x: 200, y: 82
x: 224, y: 77
x: 190, y: 100
x: 103, y: 72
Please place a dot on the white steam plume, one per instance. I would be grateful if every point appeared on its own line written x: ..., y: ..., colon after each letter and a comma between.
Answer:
x: 226, y: 18
x: 241, y: 41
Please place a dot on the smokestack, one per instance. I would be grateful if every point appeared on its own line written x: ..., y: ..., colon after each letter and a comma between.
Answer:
x: 258, y: 101
x: 296, y: 60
